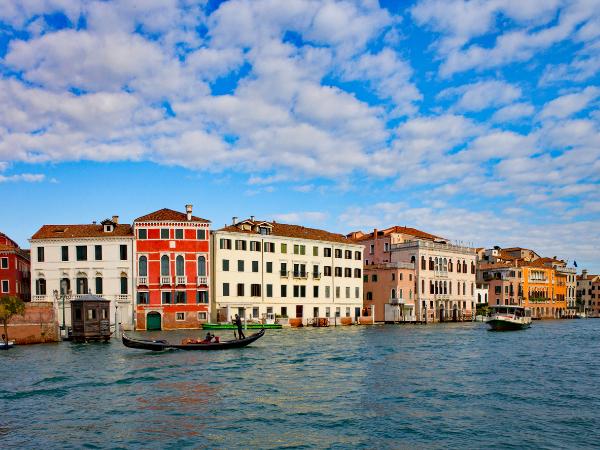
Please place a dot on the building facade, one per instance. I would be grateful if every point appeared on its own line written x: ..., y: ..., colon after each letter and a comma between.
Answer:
x: 172, y: 261
x: 268, y: 269
x: 588, y: 293
x: 389, y: 291
x: 69, y: 261
x: 445, y: 278
x: 14, y: 269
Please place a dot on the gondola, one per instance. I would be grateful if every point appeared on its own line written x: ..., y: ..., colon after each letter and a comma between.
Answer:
x: 6, y: 345
x: 158, y: 345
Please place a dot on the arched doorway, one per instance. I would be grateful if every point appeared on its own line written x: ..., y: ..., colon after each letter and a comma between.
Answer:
x: 442, y: 318
x: 455, y: 313
x: 153, y: 321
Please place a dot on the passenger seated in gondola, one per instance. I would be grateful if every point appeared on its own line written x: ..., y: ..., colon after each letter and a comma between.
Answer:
x: 208, y: 338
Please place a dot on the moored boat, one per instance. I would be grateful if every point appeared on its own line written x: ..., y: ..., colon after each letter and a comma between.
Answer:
x: 158, y: 345
x: 507, y: 318
x: 6, y: 345
x: 249, y: 326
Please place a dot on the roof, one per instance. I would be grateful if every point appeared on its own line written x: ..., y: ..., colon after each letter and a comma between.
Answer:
x: 168, y: 215
x: 7, y: 248
x: 292, y: 231
x: 397, y: 229
x: 81, y: 231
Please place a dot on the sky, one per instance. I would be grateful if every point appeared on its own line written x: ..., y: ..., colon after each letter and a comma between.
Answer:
x: 474, y: 120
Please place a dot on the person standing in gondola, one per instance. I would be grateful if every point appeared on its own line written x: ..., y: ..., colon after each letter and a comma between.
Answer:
x: 238, y: 323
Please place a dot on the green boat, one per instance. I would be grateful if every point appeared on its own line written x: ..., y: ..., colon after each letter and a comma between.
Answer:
x: 250, y: 326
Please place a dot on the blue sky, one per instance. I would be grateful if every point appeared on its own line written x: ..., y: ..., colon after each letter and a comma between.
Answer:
x: 474, y: 120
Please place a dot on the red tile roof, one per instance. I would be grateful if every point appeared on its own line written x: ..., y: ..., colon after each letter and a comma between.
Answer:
x: 81, y: 231
x: 292, y: 231
x: 404, y: 230
x: 168, y: 215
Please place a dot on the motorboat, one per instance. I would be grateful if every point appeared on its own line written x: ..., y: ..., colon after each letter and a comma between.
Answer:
x: 507, y: 318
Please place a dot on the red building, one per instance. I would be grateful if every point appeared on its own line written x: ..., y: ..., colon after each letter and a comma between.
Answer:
x: 14, y: 269
x: 172, y: 254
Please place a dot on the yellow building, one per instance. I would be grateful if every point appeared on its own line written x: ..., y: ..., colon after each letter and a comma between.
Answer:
x: 544, y: 290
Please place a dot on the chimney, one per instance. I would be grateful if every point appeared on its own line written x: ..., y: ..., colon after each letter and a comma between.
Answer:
x: 115, y: 219
x: 374, y: 233
x: 252, y: 218
x: 93, y: 222
x: 188, y: 211
x: 234, y: 220
x: 584, y: 274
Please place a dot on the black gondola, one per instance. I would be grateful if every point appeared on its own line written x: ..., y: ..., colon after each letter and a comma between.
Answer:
x: 158, y: 345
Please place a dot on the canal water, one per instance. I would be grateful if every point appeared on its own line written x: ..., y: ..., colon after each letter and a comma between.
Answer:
x: 436, y: 386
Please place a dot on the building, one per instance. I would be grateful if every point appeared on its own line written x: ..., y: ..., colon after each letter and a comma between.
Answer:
x: 569, y: 274
x: 445, y: 278
x: 69, y: 261
x: 481, y: 294
x: 263, y: 269
x: 588, y: 293
x: 389, y: 290
x: 172, y: 270
x: 14, y: 269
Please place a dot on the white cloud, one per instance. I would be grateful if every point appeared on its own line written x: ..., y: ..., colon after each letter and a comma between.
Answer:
x: 24, y: 177
x: 513, y: 112
x: 311, y: 217
x: 482, y: 95
x: 569, y: 104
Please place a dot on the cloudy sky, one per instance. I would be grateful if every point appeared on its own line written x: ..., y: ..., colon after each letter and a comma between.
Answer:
x: 476, y: 120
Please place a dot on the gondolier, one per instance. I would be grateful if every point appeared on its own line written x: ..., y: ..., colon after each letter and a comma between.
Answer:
x: 238, y: 323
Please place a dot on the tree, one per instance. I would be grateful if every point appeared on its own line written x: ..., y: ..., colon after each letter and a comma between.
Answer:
x: 10, y: 307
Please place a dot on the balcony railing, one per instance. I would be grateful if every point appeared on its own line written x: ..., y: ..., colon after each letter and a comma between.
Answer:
x: 165, y: 281
x: 142, y: 281
x: 441, y: 273
x: 41, y: 298
x: 202, y: 280
x: 442, y: 296
x: 300, y: 274
x: 181, y: 280
x: 284, y: 273
x: 538, y: 280
x: 316, y: 275
x: 396, y: 301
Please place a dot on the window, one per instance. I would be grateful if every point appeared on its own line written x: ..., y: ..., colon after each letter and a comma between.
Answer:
x: 81, y: 252
x: 347, y: 292
x: 264, y: 230
x: 123, y: 285
x: 40, y: 254
x: 123, y: 252
x: 337, y: 312
x: 166, y: 298
x: 142, y: 298
x: 240, y: 265
x: 326, y: 271
x: 283, y: 290
x: 348, y: 272
x: 77, y: 313
x: 338, y: 253
x: 269, y: 247
x: 283, y: 269
x: 356, y: 292
x: 201, y: 316
x: 143, y: 234
x: 82, y: 285
x: 5, y: 286
x: 327, y: 291
x: 225, y: 244
x: 3, y: 263
x: 254, y: 266
x: 269, y: 267
x: 374, y: 278
x: 269, y: 290
x: 201, y: 296
x: 240, y: 289
x: 283, y: 248
x: 357, y: 256
x: 338, y: 271
x: 315, y: 251
x: 200, y: 235
x: 40, y: 286
x: 299, y: 291
x: 255, y: 290
x: 315, y: 271
x: 225, y: 265
x: 98, y: 252
x: 497, y: 290
x: 91, y: 314
x: 178, y: 233
x: 316, y: 291
x: 240, y: 244
x: 143, y: 266
x: 64, y: 251
x: 164, y: 233
x: 386, y: 247
x: 347, y: 311
x: 165, y: 270
x: 337, y: 292
x: 327, y: 312
x: 371, y: 249
x: 225, y: 289
x: 201, y: 266
x: 255, y: 246
x: 300, y: 270
x: 180, y: 316
x: 284, y: 311
x: 180, y: 296
x: 327, y: 252
x: 179, y: 266
x: 99, y: 285
x: 299, y: 249
x: 365, y: 278
x: 348, y: 254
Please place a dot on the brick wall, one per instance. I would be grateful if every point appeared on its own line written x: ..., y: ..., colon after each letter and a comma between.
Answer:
x: 37, y: 325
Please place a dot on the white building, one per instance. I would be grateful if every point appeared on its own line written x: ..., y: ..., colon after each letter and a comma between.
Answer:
x: 481, y: 293
x: 267, y: 268
x: 68, y: 261
x: 445, y: 278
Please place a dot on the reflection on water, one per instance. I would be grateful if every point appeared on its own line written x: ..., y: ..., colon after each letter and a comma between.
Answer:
x: 453, y: 385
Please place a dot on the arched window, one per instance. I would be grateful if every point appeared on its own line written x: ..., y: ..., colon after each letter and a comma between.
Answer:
x: 464, y: 288
x: 164, y: 266
x: 143, y: 267
x: 445, y: 287
x: 124, y: 290
x: 437, y: 264
x: 412, y: 259
x: 202, y: 266
x: 445, y: 265
x: 179, y: 266
x: 82, y: 283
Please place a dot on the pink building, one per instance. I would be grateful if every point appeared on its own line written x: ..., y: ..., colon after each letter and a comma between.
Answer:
x: 389, y: 291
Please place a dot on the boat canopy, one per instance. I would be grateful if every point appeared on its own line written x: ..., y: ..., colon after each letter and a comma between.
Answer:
x: 511, y: 309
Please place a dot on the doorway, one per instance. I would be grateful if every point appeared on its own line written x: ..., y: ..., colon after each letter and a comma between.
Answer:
x: 299, y: 311
x: 153, y: 321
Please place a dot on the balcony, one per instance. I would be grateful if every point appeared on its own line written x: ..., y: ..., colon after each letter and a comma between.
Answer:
x: 41, y: 298
x: 316, y: 276
x: 202, y: 280
x: 284, y: 273
x: 123, y: 298
x: 441, y: 297
x: 300, y: 274
x: 396, y: 301
x: 165, y: 281
x: 441, y: 274
x: 142, y: 281
x: 181, y: 280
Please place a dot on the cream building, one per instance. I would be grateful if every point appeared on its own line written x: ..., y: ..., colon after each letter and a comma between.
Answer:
x: 266, y: 269
x: 68, y: 261
x: 445, y: 278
